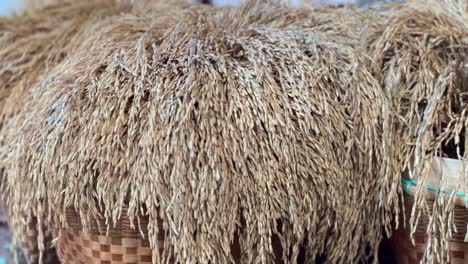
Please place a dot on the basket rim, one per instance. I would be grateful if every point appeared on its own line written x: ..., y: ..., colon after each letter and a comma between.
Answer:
x: 124, y: 227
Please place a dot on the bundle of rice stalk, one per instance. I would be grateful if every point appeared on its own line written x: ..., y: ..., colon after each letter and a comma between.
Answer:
x: 38, y: 4
x: 421, y: 60
x: 232, y: 126
x: 356, y: 24
x: 30, y: 45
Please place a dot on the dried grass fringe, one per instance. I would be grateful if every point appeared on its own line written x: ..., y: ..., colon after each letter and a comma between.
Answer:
x: 31, y: 44
x: 38, y: 4
x: 421, y: 60
x: 248, y: 122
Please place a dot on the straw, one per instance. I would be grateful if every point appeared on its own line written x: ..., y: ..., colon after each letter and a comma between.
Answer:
x: 421, y: 61
x: 32, y: 43
x: 228, y: 124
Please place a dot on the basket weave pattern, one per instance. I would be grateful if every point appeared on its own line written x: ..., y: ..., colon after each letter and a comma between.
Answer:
x: 122, y: 244
x: 407, y: 253
x: 74, y: 247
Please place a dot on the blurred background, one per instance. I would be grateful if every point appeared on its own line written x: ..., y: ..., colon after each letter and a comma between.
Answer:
x: 8, y: 6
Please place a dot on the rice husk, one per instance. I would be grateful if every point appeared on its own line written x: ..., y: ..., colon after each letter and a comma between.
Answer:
x: 38, y: 4
x: 420, y: 59
x: 32, y: 43
x: 230, y: 125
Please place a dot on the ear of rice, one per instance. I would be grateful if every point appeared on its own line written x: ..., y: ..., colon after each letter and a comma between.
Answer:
x: 37, y: 4
x: 34, y: 43
x: 421, y: 61
x: 251, y: 123
x: 31, y: 44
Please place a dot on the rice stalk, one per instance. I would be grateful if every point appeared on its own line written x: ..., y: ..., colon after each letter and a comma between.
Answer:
x: 421, y: 61
x: 31, y: 44
x: 230, y: 125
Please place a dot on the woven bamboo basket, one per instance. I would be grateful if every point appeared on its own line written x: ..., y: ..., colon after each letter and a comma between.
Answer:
x: 407, y: 253
x: 120, y: 245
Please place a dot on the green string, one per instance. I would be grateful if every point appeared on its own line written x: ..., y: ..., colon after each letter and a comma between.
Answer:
x: 411, y: 183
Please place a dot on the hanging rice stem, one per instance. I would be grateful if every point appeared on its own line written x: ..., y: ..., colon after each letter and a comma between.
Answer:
x: 228, y: 124
x: 31, y: 44
x: 421, y: 60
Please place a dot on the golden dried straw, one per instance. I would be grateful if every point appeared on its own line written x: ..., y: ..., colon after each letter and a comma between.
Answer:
x: 38, y: 4
x: 421, y: 60
x: 31, y: 44
x: 33, y: 5
x: 248, y: 122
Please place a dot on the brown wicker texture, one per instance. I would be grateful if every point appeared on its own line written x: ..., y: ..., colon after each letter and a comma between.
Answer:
x: 74, y: 247
x: 120, y: 245
x: 122, y: 229
x: 407, y: 253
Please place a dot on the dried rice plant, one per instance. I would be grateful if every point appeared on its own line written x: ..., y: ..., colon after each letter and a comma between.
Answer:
x: 38, y: 4
x: 349, y: 24
x: 30, y: 45
x: 421, y: 60
x: 33, y: 5
x: 230, y: 124
x: 150, y: 6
